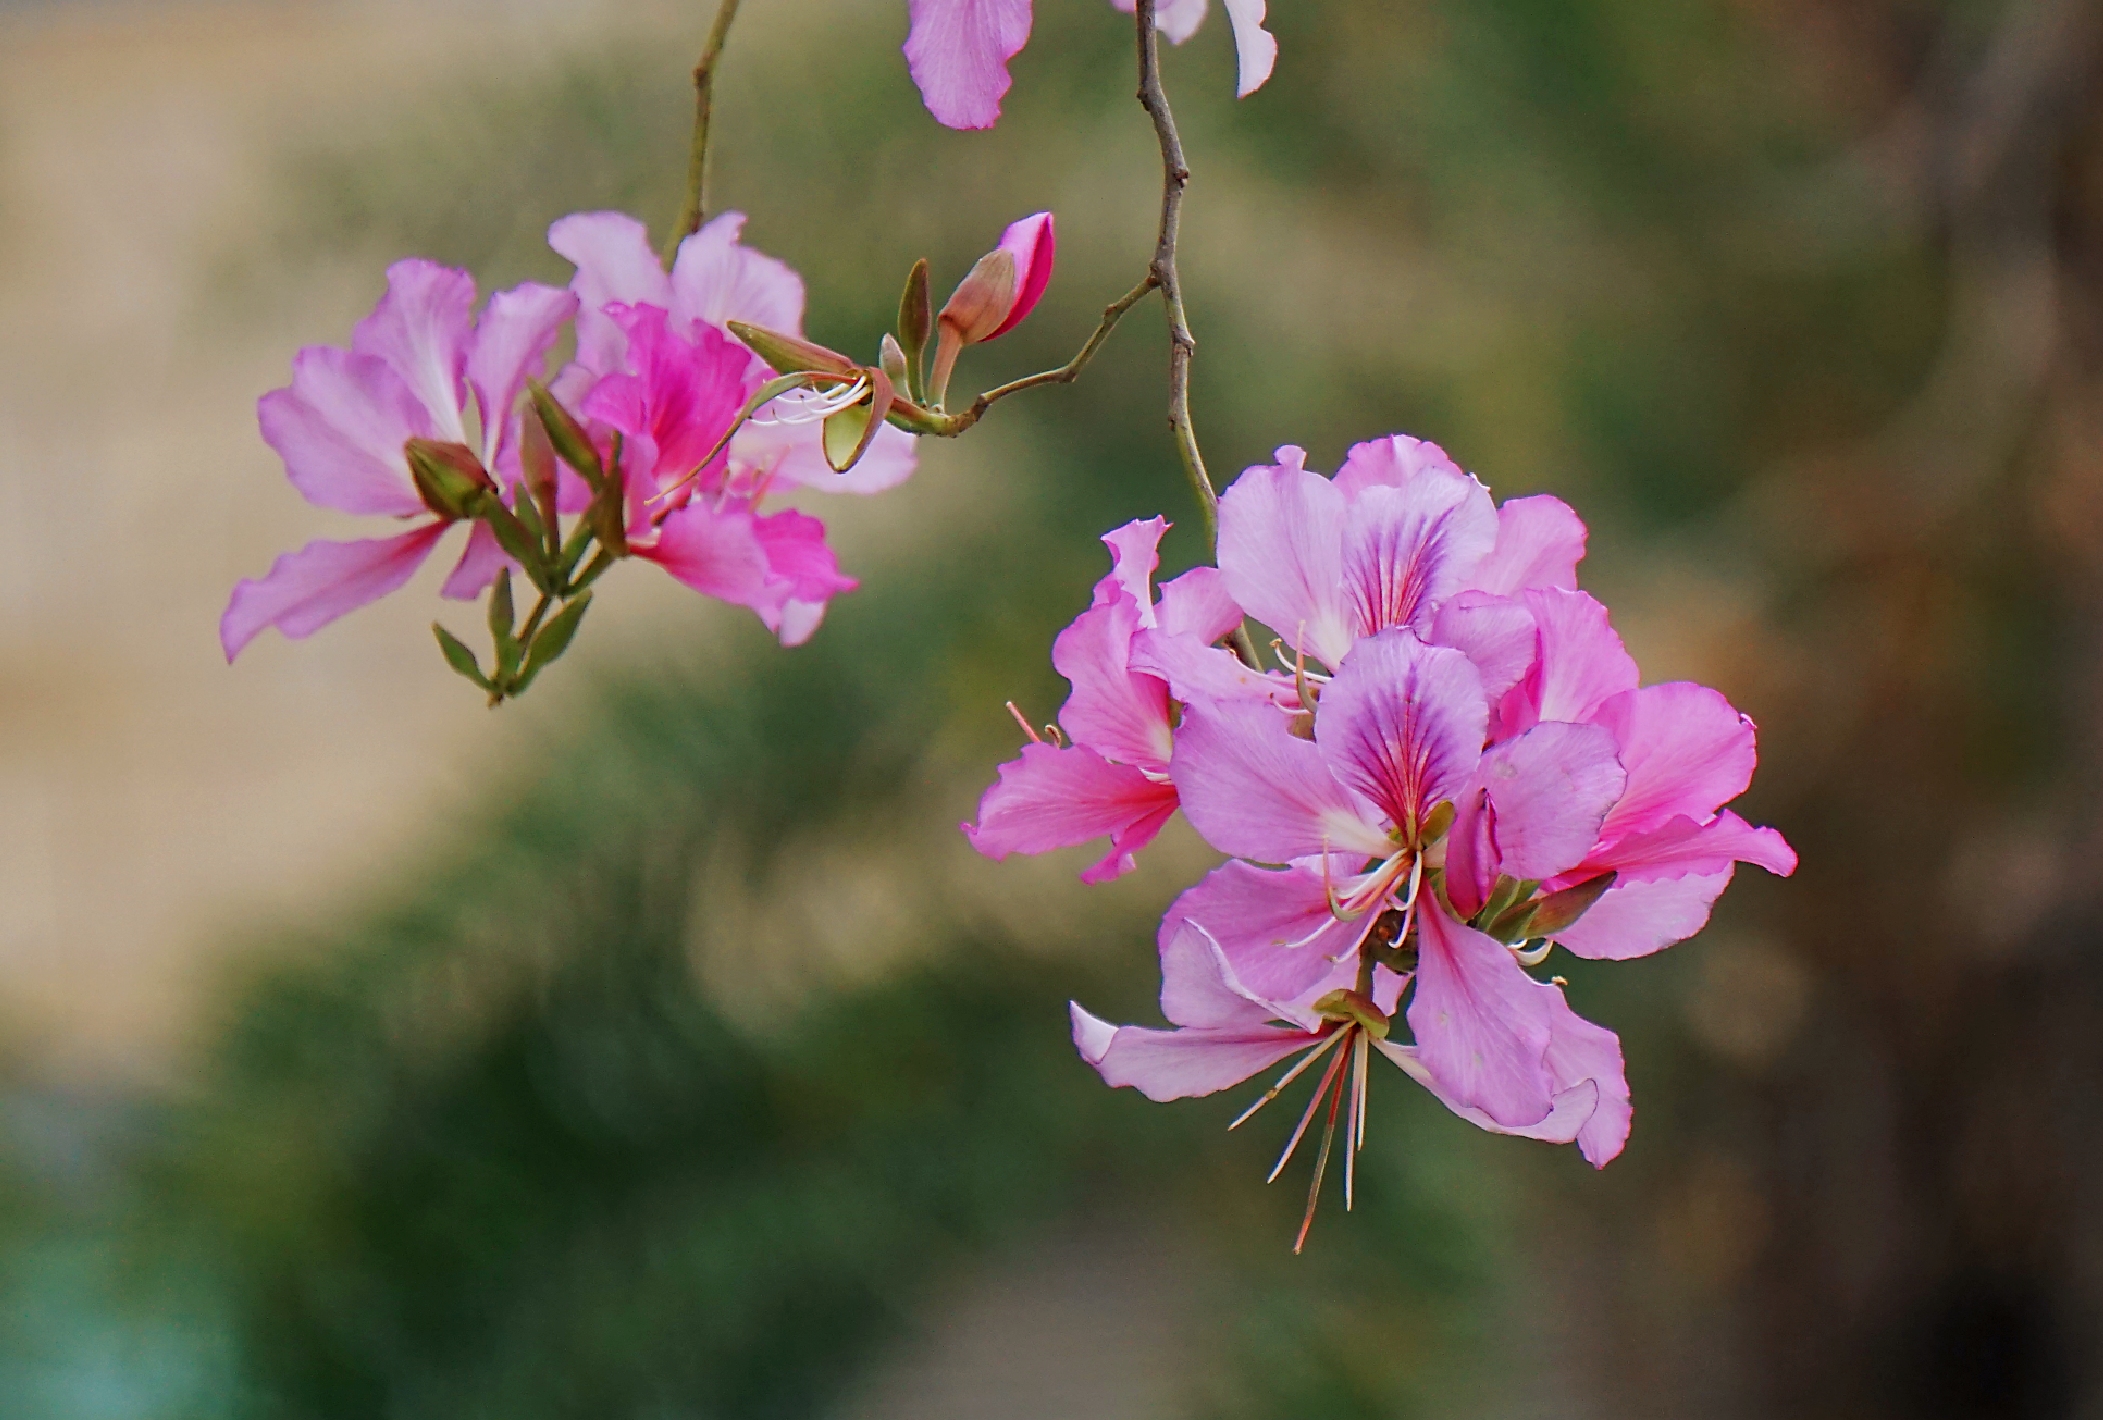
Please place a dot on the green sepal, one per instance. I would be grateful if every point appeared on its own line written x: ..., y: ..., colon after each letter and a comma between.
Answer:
x: 570, y: 442
x: 460, y: 658
x: 916, y: 321
x: 1507, y: 897
x: 521, y: 546
x: 1557, y: 912
x: 787, y: 353
x: 890, y: 358
x: 1348, y: 1006
x: 529, y: 517
x: 553, y: 640
x: 608, y: 514
x: 1438, y: 822
x: 503, y: 614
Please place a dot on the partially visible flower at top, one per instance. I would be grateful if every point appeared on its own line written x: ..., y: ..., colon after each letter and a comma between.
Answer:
x: 1113, y: 778
x: 421, y: 367
x: 958, y: 50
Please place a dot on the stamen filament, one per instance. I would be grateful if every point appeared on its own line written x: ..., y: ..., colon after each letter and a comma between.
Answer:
x: 1328, y: 1078
x: 1287, y: 1078
x: 1321, y: 1162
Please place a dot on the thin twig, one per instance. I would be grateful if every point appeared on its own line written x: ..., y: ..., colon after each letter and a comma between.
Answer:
x: 691, y: 214
x: 1067, y: 373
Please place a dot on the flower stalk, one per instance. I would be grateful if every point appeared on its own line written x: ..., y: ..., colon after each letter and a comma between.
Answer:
x: 695, y: 209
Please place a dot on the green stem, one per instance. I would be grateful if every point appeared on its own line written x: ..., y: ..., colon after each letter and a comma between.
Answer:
x: 691, y: 214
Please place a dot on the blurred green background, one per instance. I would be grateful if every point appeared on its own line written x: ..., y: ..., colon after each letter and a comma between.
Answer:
x: 674, y: 1057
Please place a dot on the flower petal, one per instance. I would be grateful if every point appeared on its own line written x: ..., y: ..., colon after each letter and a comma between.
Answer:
x: 958, y: 52
x: 1635, y: 919
x: 514, y: 337
x: 479, y: 563
x: 1407, y: 549
x: 1274, y: 927
x: 1199, y: 986
x: 1255, y: 791
x: 422, y: 328
x: 719, y: 555
x: 1056, y: 798
x: 615, y: 266
x: 717, y: 279
x: 1582, y: 663
x: 1255, y: 50
x: 1581, y: 1053
x: 1549, y: 790
x: 1181, y: 1064
x: 1177, y: 20
x: 1121, y: 716
x: 1496, y: 633
x: 1393, y: 462
x: 795, y: 453
x: 1197, y: 605
x: 306, y: 590
x: 1034, y: 244
x: 1403, y: 724
x: 1686, y: 750
x: 1481, y: 1024
x: 340, y: 428
x: 1572, y: 1107
x: 1281, y: 533
x: 1134, y: 554
x: 1681, y: 846
x: 1540, y: 541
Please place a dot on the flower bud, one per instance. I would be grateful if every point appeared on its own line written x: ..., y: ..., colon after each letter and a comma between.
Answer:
x: 981, y: 303
x: 1001, y: 289
x: 787, y: 353
x: 449, y: 478
x: 891, y: 356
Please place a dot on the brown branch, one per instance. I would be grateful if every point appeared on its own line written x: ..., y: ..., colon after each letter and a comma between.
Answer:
x: 690, y: 215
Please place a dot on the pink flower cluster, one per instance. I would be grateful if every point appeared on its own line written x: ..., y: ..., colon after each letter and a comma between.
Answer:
x: 1458, y: 769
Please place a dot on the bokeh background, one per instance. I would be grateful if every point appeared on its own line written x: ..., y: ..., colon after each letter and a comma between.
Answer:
x: 656, y: 1048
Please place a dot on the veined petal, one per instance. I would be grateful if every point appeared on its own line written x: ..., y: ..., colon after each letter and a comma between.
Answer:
x: 1635, y: 919
x: 1393, y: 462
x: 1407, y: 549
x: 306, y: 590
x: 1254, y: 48
x: 1496, y: 633
x: 1686, y: 751
x: 422, y: 328
x: 1281, y: 537
x: 1403, y: 724
x: 717, y: 279
x: 340, y: 428
x: 1582, y: 663
x: 1481, y: 1024
x: 1180, y: 1064
x: 958, y: 52
x: 1121, y: 716
x: 1057, y: 798
x: 1550, y: 789
x: 512, y: 339
x: 615, y: 266
x: 1540, y: 541
x: 1273, y: 926
x: 1255, y: 791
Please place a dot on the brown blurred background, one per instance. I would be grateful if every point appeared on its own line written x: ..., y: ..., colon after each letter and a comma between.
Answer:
x: 655, y: 1048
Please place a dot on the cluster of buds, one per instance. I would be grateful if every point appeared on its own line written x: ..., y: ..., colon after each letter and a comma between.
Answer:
x: 1451, y: 770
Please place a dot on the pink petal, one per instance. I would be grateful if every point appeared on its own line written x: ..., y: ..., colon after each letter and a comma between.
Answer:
x: 1496, y: 633
x: 1034, y: 245
x: 1481, y: 1024
x: 719, y: 555
x: 1177, y: 20
x: 1635, y: 919
x: 1199, y: 986
x: 1274, y: 928
x: 1581, y: 1053
x: 1403, y: 724
x: 1281, y: 532
x: 1393, y: 462
x: 1572, y: 1107
x: 1121, y: 716
x: 514, y: 337
x: 1681, y: 846
x: 716, y: 279
x: 480, y: 561
x: 1134, y: 554
x: 1407, y: 549
x: 798, y: 622
x: 958, y: 52
x: 1181, y: 1064
x: 797, y: 553
x: 1540, y: 541
x: 1197, y: 605
x: 1582, y: 662
x: 1471, y: 853
x: 615, y: 266
x: 1056, y: 798
x: 422, y: 328
x: 683, y: 393
x: 1255, y: 791
x: 340, y: 428
x: 1255, y: 50
x: 1550, y: 789
x: 306, y: 590
x: 795, y: 453
x: 1196, y: 670
x: 1686, y: 750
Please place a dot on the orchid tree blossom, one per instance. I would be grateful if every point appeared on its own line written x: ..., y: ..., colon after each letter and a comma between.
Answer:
x: 958, y: 50
x: 421, y: 368
x: 1107, y: 774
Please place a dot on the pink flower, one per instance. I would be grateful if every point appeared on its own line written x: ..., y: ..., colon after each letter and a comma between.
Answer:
x: 958, y: 50
x: 421, y: 366
x: 1113, y: 777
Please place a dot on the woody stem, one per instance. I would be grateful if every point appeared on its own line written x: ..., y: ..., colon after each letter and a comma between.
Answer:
x: 691, y: 214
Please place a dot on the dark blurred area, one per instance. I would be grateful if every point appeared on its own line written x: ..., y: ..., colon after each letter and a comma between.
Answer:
x: 690, y: 1064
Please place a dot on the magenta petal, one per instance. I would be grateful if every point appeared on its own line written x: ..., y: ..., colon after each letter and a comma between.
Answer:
x: 1403, y: 724
x: 514, y: 337
x: 1482, y: 1025
x: 478, y: 566
x: 1057, y: 798
x: 1255, y: 791
x: 1181, y: 1064
x: 615, y: 266
x: 717, y: 279
x: 1540, y: 541
x: 340, y: 428
x: 1681, y: 846
x: 1254, y: 48
x: 422, y: 328
x: 1034, y: 245
x: 1686, y: 750
x: 1572, y: 1107
x: 1496, y: 633
x: 1281, y: 532
x: 958, y: 52
x: 1583, y: 663
x: 1551, y: 788
x: 1393, y: 462
x: 1636, y: 919
x: 1197, y: 605
x: 1273, y: 926
x: 306, y: 590
x: 1134, y: 554
x: 1121, y: 716
x: 1407, y: 549
x: 718, y: 554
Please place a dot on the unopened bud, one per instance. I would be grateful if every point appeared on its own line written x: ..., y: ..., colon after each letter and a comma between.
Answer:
x: 982, y: 300
x: 449, y: 478
x: 789, y: 354
x: 891, y: 356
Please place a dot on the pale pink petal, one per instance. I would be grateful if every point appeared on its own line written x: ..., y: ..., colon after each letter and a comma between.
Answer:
x: 1407, y: 549
x: 1196, y: 670
x: 958, y: 52
x: 1034, y: 244
x: 1582, y: 662
x: 513, y: 338
x: 1121, y: 716
x: 1392, y: 462
x: 1640, y: 918
x: 1496, y: 633
x: 795, y: 454
x: 1540, y: 541
x: 1199, y: 986
x: 1177, y: 20
x: 479, y: 564
x: 1572, y: 1107
x: 615, y: 266
x: 1402, y: 724
x: 1273, y: 926
x: 1481, y: 1023
x: 1181, y: 1064
x: 717, y: 279
x: 1680, y: 846
x: 306, y: 590
x: 1197, y: 605
x: 1134, y: 554
x: 422, y: 328
x: 1256, y: 51
x: 1549, y: 790
x: 1057, y: 798
x: 340, y: 428
x: 798, y: 621
x: 1686, y: 751
x: 1255, y: 791
x: 1281, y: 532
